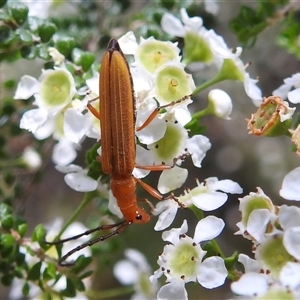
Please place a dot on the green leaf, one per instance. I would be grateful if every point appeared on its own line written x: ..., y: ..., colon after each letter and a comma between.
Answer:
x: 28, y: 52
x: 86, y: 274
x: 70, y: 290
x: 81, y: 263
x: 4, y: 33
x: 18, y: 11
x: 63, y: 43
x: 39, y: 234
x: 6, y: 241
x: 25, y: 289
x: 7, y: 222
x: 35, y: 272
x: 25, y: 35
x: 5, y: 209
x: 42, y: 51
x: 46, y: 30
x: 7, y: 279
x: 83, y: 58
x: 50, y: 272
x: 22, y: 228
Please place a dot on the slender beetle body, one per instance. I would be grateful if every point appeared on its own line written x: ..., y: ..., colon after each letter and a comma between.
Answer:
x: 117, y: 115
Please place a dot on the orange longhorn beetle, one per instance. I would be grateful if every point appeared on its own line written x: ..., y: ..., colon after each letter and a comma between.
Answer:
x: 118, y: 145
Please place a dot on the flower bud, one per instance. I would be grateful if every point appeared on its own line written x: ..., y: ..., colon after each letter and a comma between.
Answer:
x: 221, y: 103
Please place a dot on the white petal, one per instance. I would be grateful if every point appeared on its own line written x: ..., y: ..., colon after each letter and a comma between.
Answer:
x: 128, y: 43
x: 252, y: 90
x: 33, y: 119
x: 257, y: 223
x: 125, y: 272
x: 80, y: 182
x: 174, y: 290
x: 228, y: 186
x: 250, y: 284
x: 194, y: 23
x: 153, y: 131
x: 75, y: 125
x: 171, y: 180
x: 209, y: 201
x: 289, y: 275
x: 291, y: 241
x: 166, y: 218
x: 197, y: 147
x: 27, y: 87
x: 63, y: 153
x: 289, y: 216
x: 143, y: 158
x: 250, y: 265
x: 172, y: 25
x: 212, y: 272
x: 93, y: 85
x: 46, y: 129
x: 208, y: 228
x: 290, y: 189
x: 282, y: 91
x: 294, y: 96
x: 113, y: 205
x: 69, y: 169
x: 172, y: 235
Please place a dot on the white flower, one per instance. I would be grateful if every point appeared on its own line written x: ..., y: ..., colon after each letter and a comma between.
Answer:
x: 284, y: 90
x: 182, y: 259
x: 258, y: 216
x: 53, y: 94
x: 135, y: 270
x: 205, y: 196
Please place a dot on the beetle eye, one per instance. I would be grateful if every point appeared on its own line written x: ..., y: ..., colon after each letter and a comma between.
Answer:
x: 139, y: 217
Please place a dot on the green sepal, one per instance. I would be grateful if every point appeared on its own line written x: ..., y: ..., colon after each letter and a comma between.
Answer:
x: 7, y: 222
x: 6, y: 241
x: 39, y: 234
x: 83, y: 58
x: 28, y: 52
x: 25, y: 35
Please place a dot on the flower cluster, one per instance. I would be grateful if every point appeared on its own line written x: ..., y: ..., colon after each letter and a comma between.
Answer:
x: 274, y: 232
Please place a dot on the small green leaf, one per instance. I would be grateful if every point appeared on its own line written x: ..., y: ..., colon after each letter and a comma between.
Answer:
x: 39, y: 233
x: 25, y: 289
x: 35, y: 272
x: 7, y: 279
x: 70, y: 290
x: 28, y: 52
x: 22, y: 228
x: 83, y: 58
x: 86, y: 274
x: 25, y: 35
x: 46, y: 30
x: 63, y: 43
x: 7, y: 222
x: 20, y: 259
x: 42, y: 51
x: 4, y: 210
x: 6, y: 241
x: 81, y: 263
x: 50, y: 272
x: 4, y: 33
x: 168, y: 4
x: 18, y: 11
